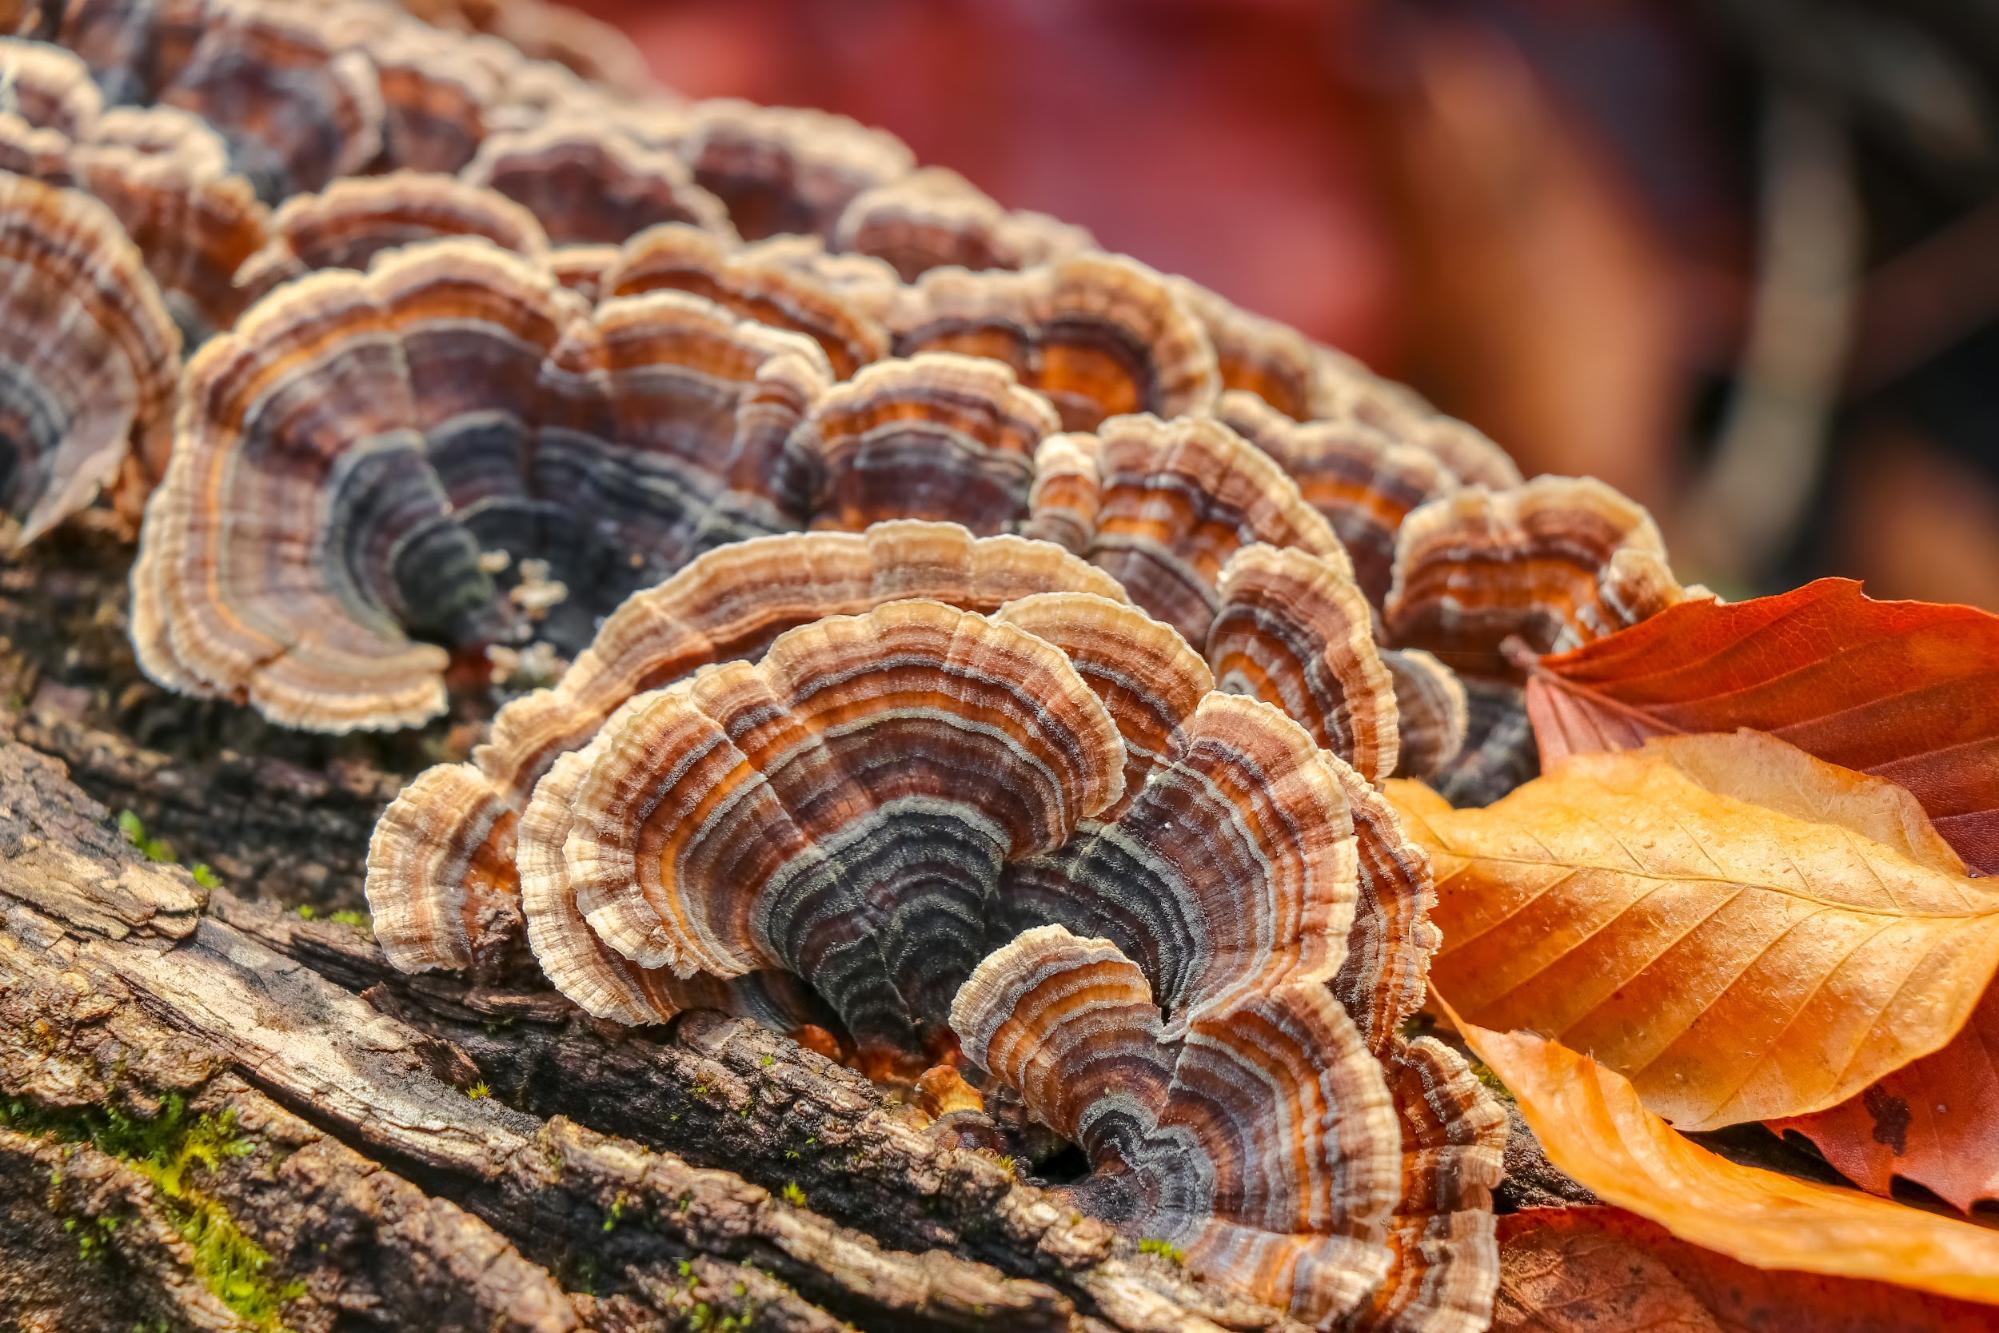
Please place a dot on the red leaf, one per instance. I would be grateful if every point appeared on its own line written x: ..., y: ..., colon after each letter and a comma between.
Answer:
x: 1907, y: 691
x: 1585, y: 1270
x: 1935, y: 1121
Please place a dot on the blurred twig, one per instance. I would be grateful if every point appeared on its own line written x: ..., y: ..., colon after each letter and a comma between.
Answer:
x: 1747, y: 505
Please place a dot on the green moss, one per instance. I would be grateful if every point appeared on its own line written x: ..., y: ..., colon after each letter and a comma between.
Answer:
x: 616, y: 1213
x: 205, y: 875
x: 792, y: 1195
x: 169, y: 1149
x: 349, y: 917
x: 478, y: 1090
x: 1165, y: 1249
x: 306, y: 911
x: 153, y: 849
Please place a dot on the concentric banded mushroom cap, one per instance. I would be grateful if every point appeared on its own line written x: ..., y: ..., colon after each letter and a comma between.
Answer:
x: 440, y: 877
x: 936, y: 436
x: 754, y: 283
x: 933, y: 218
x: 354, y: 220
x: 393, y: 410
x: 1162, y: 505
x: 842, y: 809
x: 88, y: 355
x: 1362, y: 479
x: 436, y: 92
x: 1100, y: 335
x: 780, y: 169
x: 1555, y: 563
x: 295, y: 110
x: 1273, y: 362
x: 1293, y: 628
x: 1260, y: 1139
x: 452, y: 401
x: 592, y: 183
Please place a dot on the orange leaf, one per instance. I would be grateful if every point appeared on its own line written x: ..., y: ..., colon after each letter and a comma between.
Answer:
x: 1593, y: 1270
x: 1744, y: 930
x: 1591, y: 1124
x: 1908, y: 691
x: 1935, y: 1122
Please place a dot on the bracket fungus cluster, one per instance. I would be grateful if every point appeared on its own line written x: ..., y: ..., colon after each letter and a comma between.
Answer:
x: 982, y: 651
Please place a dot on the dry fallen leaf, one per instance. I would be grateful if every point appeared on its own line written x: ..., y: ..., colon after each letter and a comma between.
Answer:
x: 1907, y: 691
x: 1935, y: 1121
x: 1592, y: 1125
x: 1744, y: 931
x: 1594, y: 1270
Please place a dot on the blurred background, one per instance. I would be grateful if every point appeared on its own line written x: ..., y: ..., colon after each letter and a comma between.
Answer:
x: 1740, y: 258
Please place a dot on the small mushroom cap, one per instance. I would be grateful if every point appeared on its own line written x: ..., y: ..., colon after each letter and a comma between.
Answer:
x: 936, y: 436
x: 753, y: 283
x: 1362, y: 479
x: 592, y: 183
x: 1431, y: 710
x: 296, y: 111
x: 88, y: 354
x: 1163, y: 505
x: 1100, y: 335
x: 841, y: 809
x: 780, y: 169
x: 436, y: 93
x: 1262, y: 1142
x: 49, y: 87
x: 426, y: 876
x: 1295, y: 630
x: 355, y: 220
x: 934, y: 218
x: 1555, y: 563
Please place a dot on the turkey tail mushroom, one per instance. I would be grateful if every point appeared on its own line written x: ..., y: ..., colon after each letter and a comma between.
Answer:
x: 1163, y: 505
x: 440, y: 866
x: 352, y: 221
x: 1260, y: 1142
x: 1100, y: 335
x: 936, y: 436
x: 88, y: 356
x: 754, y: 283
x: 841, y: 810
x: 933, y: 218
x: 1555, y: 563
x: 593, y: 183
